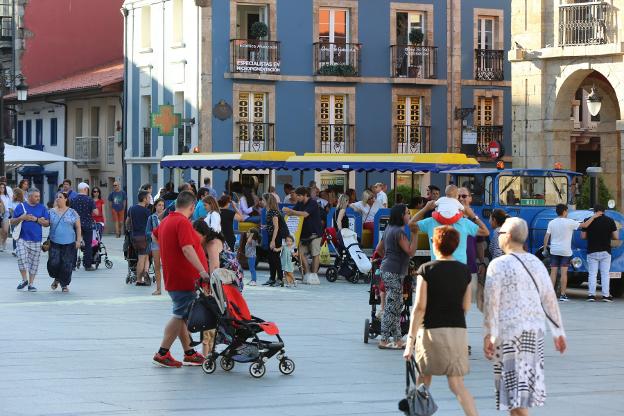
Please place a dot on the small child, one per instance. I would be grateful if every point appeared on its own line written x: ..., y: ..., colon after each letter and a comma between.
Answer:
x: 286, y: 257
x: 253, y: 239
x: 448, y: 209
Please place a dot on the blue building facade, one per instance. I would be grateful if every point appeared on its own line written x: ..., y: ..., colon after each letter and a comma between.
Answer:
x: 354, y: 76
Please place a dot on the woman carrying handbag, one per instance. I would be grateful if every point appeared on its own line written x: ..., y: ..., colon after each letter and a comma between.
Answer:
x: 65, y: 237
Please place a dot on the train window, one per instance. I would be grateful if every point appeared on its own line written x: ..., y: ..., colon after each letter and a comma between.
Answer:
x: 533, y: 190
x: 489, y: 190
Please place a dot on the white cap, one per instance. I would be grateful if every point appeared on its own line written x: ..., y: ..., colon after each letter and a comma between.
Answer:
x: 82, y: 185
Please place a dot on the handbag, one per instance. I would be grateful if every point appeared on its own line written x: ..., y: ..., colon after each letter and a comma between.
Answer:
x: 538, y: 291
x: 17, y: 229
x: 203, y: 314
x: 45, y: 246
x: 418, y: 400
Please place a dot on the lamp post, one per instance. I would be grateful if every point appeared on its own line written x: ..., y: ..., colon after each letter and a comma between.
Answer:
x: 22, y: 95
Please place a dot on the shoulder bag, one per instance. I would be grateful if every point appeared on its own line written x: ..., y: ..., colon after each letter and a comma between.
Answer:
x: 46, y: 244
x: 203, y: 314
x: 418, y: 400
x: 17, y: 228
x: 537, y: 288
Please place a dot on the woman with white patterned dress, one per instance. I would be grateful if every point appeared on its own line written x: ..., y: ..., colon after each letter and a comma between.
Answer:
x: 519, y: 299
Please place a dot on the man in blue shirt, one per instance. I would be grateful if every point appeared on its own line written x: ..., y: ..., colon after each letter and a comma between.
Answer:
x: 118, y: 200
x: 32, y: 216
x: 84, y: 205
x: 67, y: 188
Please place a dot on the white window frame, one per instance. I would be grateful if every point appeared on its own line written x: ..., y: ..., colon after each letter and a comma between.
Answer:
x: 482, y: 33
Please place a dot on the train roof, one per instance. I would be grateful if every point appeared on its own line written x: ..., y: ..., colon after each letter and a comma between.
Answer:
x: 511, y: 171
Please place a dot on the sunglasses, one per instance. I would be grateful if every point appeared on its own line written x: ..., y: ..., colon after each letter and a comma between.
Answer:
x: 463, y: 196
x: 502, y: 232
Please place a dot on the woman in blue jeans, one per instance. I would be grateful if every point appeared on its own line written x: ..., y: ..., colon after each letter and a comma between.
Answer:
x: 65, y: 238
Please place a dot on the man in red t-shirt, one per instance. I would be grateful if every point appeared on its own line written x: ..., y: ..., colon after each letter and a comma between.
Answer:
x: 183, y: 262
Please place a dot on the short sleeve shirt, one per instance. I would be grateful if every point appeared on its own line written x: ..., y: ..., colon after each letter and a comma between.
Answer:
x: 464, y: 226
x: 117, y: 200
x: 62, y: 228
x: 312, y: 223
x: 138, y: 215
x: 31, y: 230
x: 599, y: 234
x: 173, y: 233
x: 561, y: 230
x: 84, y: 206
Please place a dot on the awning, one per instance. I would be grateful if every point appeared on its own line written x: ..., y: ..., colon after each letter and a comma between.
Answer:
x: 15, y: 156
x: 381, y: 162
x: 223, y: 161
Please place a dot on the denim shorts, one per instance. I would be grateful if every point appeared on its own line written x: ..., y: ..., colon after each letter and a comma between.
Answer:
x: 154, y: 246
x: 559, y: 261
x: 181, y: 300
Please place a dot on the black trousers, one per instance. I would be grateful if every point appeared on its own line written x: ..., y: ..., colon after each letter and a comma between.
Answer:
x: 61, y: 261
x: 275, y: 264
x: 87, y: 238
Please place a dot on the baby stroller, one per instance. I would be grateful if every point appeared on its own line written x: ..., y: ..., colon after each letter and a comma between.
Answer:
x: 238, y: 330
x: 132, y: 258
x: 351, y: 262
x: 372, y: 326
x: 98, y: 250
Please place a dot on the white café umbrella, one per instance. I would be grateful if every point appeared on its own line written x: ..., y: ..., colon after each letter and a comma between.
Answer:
x: 16, y: 156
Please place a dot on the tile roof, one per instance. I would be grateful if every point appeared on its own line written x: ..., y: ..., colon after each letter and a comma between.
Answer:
x: 95, y: 78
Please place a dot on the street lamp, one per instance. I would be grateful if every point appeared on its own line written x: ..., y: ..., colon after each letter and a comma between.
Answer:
x: 22, y: 94
x: 594, y: 103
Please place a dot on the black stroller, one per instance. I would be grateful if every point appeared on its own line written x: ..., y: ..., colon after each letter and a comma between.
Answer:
x: 372, y: 326
x: 98, y: 250
x: 132, y: 258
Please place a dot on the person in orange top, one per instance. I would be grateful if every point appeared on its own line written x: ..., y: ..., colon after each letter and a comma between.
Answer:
x: 184, y: 263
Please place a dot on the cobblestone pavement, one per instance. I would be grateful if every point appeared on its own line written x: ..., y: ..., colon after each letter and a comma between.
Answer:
x: 89, y: 353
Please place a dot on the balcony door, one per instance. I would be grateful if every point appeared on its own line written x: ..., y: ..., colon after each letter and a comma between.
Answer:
x: 486, y: 33
x: 409, y: 131
x: 253, y: 129
x: 247, y: 15
x: 406, y: 22
x: 484, y: 122
x: 334, y: 36
x: 333, y: 126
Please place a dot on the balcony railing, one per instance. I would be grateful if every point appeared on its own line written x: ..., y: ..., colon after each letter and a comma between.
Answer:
x: 337, y: 59
x: 337, y: 138
x: 486, y: 135
x: 414, y: 61
x: 255, y: 56
x: 87, y: 150
x: 255, y: 137
x: 147, y: 142
x: 412, y: 139
x: 590, y: 23
x: 489, y: 65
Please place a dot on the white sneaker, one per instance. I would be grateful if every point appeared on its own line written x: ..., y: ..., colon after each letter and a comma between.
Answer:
x: 251, y: 283
x: 306, y: 279
x: 314, y: 279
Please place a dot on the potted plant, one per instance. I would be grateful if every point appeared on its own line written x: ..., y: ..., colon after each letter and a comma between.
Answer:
x: 416, y: 38
x: 259, y: 30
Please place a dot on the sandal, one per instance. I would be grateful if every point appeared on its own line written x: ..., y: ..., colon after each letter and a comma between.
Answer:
x: 65, y: 289
x: 156, y: 293
x: 391, y: 346
x: 54, y: 285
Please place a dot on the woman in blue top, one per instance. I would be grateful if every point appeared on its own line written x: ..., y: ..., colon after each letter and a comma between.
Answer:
x: 152, y: 223
x: 65, y: 238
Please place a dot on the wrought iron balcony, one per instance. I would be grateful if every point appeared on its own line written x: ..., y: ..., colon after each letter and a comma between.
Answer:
x: 412, y: 139
x: 255, y: 56
x: 255, y: 137
x: 590, y: 23
x: 414, y: 61
x: 489, y: 65
x: 337, y: 59
x: 87, y: 150
x: 486, y: 135
x: 337, y: 138
x: 147, y: 142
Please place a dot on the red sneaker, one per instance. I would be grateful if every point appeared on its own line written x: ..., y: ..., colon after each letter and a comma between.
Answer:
x: 195, y: 359
x: 166, y: 361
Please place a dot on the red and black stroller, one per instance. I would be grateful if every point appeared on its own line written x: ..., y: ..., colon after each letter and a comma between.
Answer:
x: 239, y: 332
x: 372, y: 325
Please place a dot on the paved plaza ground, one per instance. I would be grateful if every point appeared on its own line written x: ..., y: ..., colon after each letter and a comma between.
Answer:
x: 89, y: 353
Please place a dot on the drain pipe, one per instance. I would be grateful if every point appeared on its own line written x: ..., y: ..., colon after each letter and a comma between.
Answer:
x: 452, y: 80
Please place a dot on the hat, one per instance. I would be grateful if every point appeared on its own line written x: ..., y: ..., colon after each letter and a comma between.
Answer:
x: 82, y: 185
x: 379, y: 184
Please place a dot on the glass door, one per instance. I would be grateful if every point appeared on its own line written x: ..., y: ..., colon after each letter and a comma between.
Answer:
x: 334, y: 36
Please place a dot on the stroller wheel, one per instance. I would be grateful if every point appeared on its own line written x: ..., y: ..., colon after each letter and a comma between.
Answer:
x: 226, y: 363
x: 108, y: 264
x: 355, y: 278
x: 127, y: 280
x: 331, y: 274
x: 287, y: 366
x: 209, y: 365
x: 366, y: 330
x: 257, y: 370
